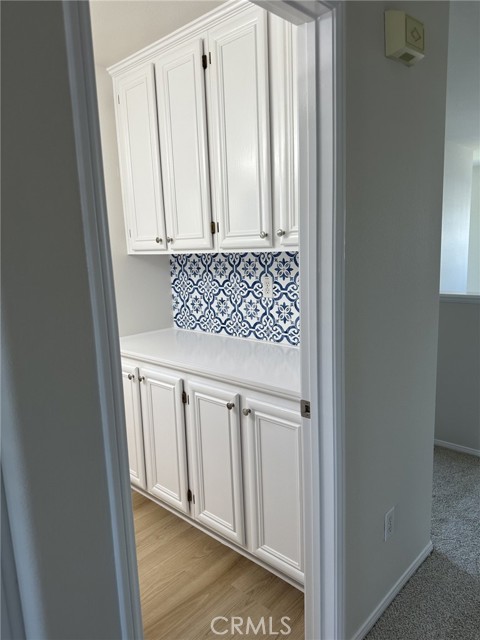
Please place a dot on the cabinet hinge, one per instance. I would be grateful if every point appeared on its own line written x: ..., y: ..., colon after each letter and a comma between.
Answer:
x: 118, y: 98
x: 204, y: 61
x: 185, y: 398
x: 190, y: 496
x: 213, y: 228
x: 305, y: 408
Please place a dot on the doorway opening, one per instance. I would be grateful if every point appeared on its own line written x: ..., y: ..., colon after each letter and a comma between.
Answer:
x: 321, y: 435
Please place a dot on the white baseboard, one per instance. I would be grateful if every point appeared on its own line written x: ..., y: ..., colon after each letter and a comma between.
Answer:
x: 457, y: 447
x: 394, y: 591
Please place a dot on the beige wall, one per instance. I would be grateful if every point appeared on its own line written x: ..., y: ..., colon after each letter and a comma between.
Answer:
x: 395, y: 122
x: 123, y: 27
x: 142, y: 283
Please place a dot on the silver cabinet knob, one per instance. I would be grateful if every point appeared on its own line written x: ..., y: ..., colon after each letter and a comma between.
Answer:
x: 263, y: 234
x: 169, y: 239
x: 158, y: 240
x: 230, y: 405
x: 141, y: 378
x: 280, y: 233
x: 246, y: 412
x: 131, y: 376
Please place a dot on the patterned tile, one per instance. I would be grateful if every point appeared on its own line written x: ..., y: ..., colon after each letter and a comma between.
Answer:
x: 223, y: 293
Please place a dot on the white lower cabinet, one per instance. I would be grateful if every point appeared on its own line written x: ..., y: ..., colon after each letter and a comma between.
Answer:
x: 133, y: 422
x: 215, y: 454
x: 273, y: 470
x: 164, y: 431
x: 231, y: 460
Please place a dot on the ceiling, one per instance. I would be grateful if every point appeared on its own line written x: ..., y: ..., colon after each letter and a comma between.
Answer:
x: 121, y: 27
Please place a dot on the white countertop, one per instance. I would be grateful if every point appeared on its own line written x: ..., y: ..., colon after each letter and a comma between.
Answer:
x: 270, y: 367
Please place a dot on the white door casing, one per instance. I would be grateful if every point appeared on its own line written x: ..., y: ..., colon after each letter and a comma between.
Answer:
x: 182, y: 122
x: 215, y: 444
x: 164, y: 432
x: 325, y: 23
x: 140, y: 161
x: 239, y: 129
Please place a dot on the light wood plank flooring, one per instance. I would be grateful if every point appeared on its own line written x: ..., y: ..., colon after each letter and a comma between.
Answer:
x: 187, y: 578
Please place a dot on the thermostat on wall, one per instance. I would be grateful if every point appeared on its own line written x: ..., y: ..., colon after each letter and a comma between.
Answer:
x: 404, y: 37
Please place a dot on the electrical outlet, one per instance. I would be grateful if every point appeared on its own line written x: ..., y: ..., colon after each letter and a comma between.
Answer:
x: 389, y: 527
x: 267, y: 283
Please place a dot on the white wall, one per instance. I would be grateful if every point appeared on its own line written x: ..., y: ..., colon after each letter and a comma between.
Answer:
x: 53, y: 458
x: 460, y: 261
x: 473, y: 278
x: 462, y: 123
x: 457, y: 417
x: 457, y: 201
x: 395, y: 123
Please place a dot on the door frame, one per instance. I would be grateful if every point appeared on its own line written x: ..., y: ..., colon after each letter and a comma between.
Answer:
x: 322, y: 307
x: 322, y: 215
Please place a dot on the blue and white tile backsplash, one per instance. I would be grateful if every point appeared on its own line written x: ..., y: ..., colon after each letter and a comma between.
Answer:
x: 223, y: 293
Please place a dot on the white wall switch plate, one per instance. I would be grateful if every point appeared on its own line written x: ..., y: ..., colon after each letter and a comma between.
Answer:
x: 267, y: 284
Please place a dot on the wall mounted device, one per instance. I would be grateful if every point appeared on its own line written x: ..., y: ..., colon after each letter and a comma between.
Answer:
x: 404, y: 37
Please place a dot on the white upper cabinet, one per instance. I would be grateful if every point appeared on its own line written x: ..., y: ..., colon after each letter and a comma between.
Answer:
x: 238, y: 118
x: 210, y: 115
x: 180, y: 81
x: 285, y: 134
x: 140, y: 161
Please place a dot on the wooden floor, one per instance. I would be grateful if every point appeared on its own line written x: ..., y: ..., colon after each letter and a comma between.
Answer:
x: 187, y: 578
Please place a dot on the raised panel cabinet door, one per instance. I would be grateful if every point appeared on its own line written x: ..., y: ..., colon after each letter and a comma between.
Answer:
x: 140, y: 161
x: 275, y: 492
x: 239, y: 129
x: 182, y: 126
x: 285, y: 129
x: 215, y: 454
x: 164, y: 432
x: 133, y: 421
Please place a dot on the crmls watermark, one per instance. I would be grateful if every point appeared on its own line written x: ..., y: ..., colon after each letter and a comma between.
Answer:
x: 236, y: 625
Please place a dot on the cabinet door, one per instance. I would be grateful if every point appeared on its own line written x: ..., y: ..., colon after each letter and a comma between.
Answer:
x: 274, y: 479
x: 285, y: 132
x: 140, y: 161
x: 240, y: 131
x: 182, y: 123
x: 133, y: 420
x: 214, y: 441
x: 164, y: 430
